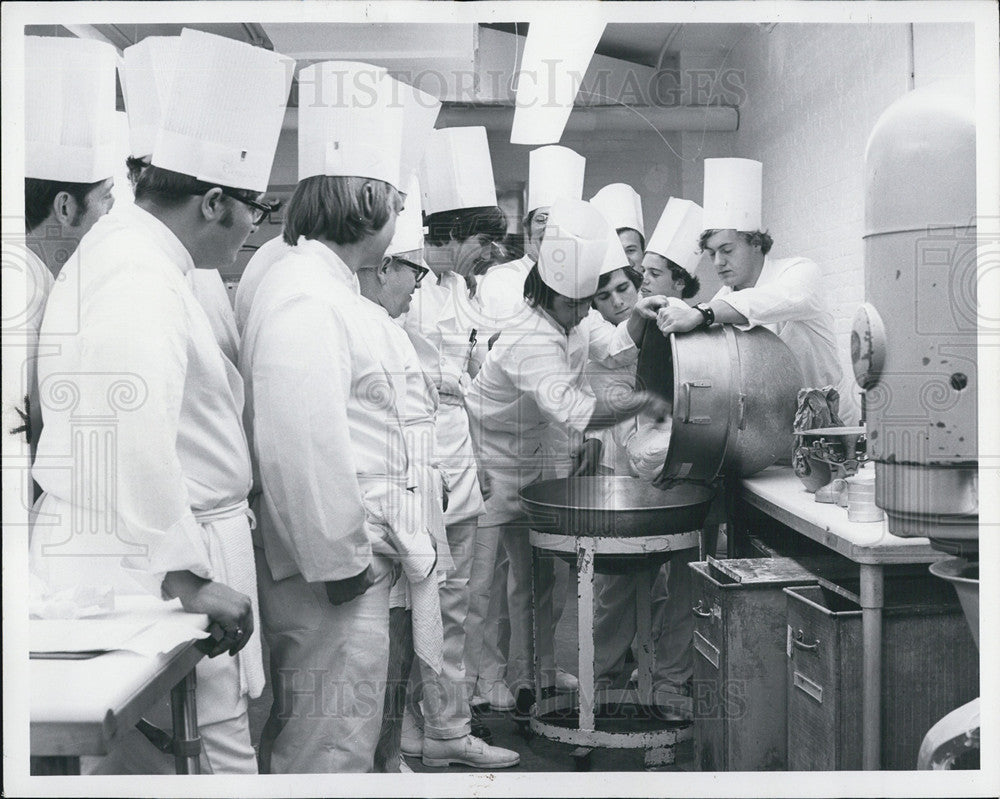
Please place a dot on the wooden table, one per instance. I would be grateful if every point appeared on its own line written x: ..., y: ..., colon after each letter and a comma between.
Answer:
x: 84, y: 706
x: 780, y: 494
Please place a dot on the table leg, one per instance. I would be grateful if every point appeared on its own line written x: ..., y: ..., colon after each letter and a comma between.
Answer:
x: 872, y: 600
x: 585, y: 628
x: 184, y: 713
x: 643, y: 635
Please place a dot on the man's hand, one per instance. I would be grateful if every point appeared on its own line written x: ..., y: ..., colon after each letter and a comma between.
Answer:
x: 647, y: 307
x: 677, y: 319
x: 230, y: 609
x: 341, y: 591
x: 587, y: 458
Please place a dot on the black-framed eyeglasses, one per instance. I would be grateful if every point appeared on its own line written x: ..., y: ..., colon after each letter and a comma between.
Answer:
x: 261, y: 211
x: 421, y: 271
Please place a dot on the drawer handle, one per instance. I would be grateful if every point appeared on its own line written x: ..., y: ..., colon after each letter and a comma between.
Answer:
x: 699, y: 610
x: 798, y: 643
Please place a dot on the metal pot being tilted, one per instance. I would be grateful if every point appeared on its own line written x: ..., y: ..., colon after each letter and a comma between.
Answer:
x: 733, y: 394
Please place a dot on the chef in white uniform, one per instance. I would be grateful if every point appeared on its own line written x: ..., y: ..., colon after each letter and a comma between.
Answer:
x: 673, y: 253
x: 644, y: 448
x: 786, y: 295
x: 69, y: 167
x: 533, y: 379
x: 622, y: 207
x: 617, y: 293
x: 332, y: 466
x: 147, y: 80
x: 463, y: 224
x: 164, y: 493
x: 553, y: 171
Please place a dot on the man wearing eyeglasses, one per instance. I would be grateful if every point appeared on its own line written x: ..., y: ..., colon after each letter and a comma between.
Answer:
x: 160, y: 502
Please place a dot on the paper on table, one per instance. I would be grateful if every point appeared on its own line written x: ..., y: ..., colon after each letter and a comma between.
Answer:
x: 144, y: 625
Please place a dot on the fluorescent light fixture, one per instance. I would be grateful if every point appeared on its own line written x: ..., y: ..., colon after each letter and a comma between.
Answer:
x: 557, y: 53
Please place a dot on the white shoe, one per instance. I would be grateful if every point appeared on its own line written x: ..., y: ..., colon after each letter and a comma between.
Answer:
x: 633, y: 678
x: 403, y: 768
x: 411, y: 742
x: 467, y: 751
x: 499, y: 697
x: 566, y: 681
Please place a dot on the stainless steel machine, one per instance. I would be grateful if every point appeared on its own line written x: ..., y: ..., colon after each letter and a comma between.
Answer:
x: 913, y: 344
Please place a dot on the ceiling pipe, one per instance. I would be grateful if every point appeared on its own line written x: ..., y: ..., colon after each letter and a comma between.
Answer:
x: 497, y: 119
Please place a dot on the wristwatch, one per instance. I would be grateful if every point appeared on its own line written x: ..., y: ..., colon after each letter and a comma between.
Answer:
x: 707, y: 314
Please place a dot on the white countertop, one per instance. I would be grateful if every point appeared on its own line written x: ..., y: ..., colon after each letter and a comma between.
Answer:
x: 780, y: 494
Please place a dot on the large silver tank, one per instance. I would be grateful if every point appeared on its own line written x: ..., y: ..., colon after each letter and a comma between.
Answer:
x: 913, y: 342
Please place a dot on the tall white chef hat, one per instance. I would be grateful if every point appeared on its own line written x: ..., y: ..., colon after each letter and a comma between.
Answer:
x: 409, y: 234
x: 147, y: 81
x: 571, y: 256
x: 350, y: 122
x: 621, y: 206
x: 614, y: 257
x: 456, y: 171
x: 420, y: 112
x: 554, y: 171
x: 69, y: 116
x: 677, y: 232
x: 733, y: 194
x: 223, y: 118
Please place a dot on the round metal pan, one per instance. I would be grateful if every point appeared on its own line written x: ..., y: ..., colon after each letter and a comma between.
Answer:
x: 619, y: 507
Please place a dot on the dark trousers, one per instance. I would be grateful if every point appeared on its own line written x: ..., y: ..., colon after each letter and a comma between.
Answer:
x: 387, y: 752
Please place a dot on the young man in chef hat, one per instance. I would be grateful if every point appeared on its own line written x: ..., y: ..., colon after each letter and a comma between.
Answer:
x: 622, y: 207
x: 783, y: 294
x: 174, y: 495
x: 671, y: 256
x: 673, y: 252
x: 69, y: 167
x: 323, y: 416
x: 553, y: 171
x: 531, y: 379
x: 147, y: 79
x: 463, y: 224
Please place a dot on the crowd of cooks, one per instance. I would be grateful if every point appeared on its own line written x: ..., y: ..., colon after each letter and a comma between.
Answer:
x: 334, y: 464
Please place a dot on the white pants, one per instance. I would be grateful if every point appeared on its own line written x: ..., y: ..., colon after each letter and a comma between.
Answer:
x: 328, y: 673
x: 514, y: 539
x: 672, y: 624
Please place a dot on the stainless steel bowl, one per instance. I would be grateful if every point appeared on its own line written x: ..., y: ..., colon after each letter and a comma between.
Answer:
x: 620, y: 507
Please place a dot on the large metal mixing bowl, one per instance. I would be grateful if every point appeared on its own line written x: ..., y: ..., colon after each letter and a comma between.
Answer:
x: 621, y: 507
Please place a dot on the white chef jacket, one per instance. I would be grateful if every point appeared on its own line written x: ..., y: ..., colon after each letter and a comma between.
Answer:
x: 138, y: 375
x: 534, y: 379
x: 788, y: 299
x: 440, y: 322
x: 267, y: 254
x: 330, y: 455
x: 211, y: 293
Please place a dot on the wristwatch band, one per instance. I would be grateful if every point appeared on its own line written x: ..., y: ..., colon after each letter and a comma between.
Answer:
x: 707, y: 314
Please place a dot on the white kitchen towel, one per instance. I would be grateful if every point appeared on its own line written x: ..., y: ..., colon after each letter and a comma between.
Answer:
x: 227, y: 532
x: 428, y: 630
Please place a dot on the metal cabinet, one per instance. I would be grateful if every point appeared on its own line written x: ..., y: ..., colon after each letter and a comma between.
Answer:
x: 739, y: 658
x: 930, y: 667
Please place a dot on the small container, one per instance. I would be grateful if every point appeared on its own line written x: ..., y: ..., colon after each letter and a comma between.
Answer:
x: 861, y: 505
